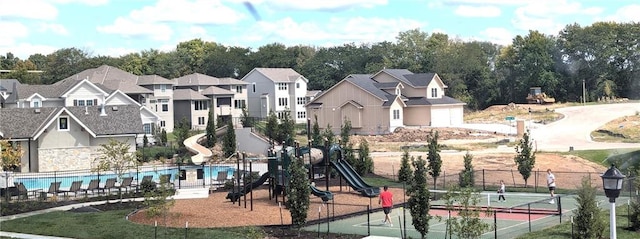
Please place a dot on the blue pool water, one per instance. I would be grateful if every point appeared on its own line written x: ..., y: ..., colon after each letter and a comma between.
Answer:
x: 32, y: 183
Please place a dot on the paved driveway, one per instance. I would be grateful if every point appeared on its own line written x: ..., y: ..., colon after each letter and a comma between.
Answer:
x: 575, y: 128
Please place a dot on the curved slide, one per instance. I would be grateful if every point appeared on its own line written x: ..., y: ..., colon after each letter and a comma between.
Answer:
x: 324, y: 195
x: 354, y: 180
x: 202, y: 153
x: 234, y: 196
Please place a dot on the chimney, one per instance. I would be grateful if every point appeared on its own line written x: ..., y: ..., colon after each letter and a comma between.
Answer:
x: 102, y: 111
x: 86, y: 110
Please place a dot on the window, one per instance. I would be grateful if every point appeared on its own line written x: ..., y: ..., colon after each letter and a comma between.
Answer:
x: 298, y: 85
x: 85, y: 102
x: 396, y: 114
x: 163, y: 123
x: 302, y: 114
x: 282, y: 114
x: 200, y: 120
x: 201, y: 105
x: 165, y: 105
x: 63, y: 123
x: 36, y: 104
x: 163, y: 88
x: 80, y: 102
x: 434, y: 92
x: 89, y: 102
x: 238, y: 89
x: 282, y: 86
x: 301, y: 100
x: 146, y: 128
x: 283, y: 101
x: 239, y: 104
x: 254, y: 87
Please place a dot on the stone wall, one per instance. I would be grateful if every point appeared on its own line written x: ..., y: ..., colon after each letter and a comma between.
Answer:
x: 61, y: 159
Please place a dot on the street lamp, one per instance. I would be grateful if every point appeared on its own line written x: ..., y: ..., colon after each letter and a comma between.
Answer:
x: 612, y: 181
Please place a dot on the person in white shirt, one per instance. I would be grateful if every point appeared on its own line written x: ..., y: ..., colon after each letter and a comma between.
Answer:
x: 551, y: 183
x: 501, y: 192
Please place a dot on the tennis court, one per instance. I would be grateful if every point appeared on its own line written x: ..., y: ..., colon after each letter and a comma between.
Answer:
x: 519, y: 214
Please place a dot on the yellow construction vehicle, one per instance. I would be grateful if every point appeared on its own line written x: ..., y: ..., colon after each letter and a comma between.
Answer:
x: 536, y: 96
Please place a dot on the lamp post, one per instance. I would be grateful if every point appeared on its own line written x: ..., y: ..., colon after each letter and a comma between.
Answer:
x: 612, y: 181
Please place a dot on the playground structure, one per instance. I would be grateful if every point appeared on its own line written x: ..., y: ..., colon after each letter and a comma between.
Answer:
x: 318, y: 161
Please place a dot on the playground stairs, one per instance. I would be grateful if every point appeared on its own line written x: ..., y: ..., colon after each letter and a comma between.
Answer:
x: 190, y: 193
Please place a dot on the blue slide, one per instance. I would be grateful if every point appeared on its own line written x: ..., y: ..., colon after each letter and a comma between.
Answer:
x: 354, y: 180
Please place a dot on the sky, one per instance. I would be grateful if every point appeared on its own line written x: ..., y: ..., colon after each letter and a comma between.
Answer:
x: 118, y: 27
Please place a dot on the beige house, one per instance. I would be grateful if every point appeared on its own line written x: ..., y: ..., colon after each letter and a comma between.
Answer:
x: 382, y: 102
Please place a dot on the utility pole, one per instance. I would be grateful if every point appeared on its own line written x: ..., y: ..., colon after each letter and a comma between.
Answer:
x: 584, y: 93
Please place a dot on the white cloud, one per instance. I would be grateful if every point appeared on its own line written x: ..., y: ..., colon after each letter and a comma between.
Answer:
x: 24, y: 50
x: 497, y: 35
x: 543, y: 15
x: 29, y: 9
x: 627, y: 13
x: 86, y: 2
x: 336, y: 31
x: 128, y: 28
x: 11, y: 31
x: 472, y: 11
x: 325, y: 5
x: 183, y: 11
x: 55, y: 28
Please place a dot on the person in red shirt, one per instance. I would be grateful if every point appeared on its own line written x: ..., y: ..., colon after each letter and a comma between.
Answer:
x: 386, y: 199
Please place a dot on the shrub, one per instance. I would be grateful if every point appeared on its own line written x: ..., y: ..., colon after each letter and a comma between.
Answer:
x: 148, y: 186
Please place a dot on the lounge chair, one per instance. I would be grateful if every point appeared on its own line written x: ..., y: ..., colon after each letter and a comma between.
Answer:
x: 108, y: 185
x: 54, y: 189
x: 22, y: 191
x: 94, y: 185
x: 75, y: 187
x: 221, y: 179
x: 126, y: 183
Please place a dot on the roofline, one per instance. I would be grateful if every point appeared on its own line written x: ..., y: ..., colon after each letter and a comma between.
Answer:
x: 116, y: 91
x: 115, y: 135
x: 149, y: 110
x: 64, y: 109
x: 36, y: 94
x: 78, y: 85
x: 322, y: 93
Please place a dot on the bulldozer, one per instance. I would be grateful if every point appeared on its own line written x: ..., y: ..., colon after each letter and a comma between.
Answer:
x: 536, y: 96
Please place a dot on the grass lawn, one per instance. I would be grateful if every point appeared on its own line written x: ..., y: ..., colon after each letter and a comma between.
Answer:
x: 112, y: 224
x: 564, y: 230
x: 606, y: 156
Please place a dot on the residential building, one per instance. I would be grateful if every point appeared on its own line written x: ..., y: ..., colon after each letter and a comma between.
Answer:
x: 195, y: 93
x: 280, y: 90
x: 161, y: 99
x: 386, y: 100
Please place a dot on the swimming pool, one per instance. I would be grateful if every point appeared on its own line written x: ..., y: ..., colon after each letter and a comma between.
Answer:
x: 43, y: 182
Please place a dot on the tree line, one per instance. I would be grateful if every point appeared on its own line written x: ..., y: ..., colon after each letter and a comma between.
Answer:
x: 604, y: 57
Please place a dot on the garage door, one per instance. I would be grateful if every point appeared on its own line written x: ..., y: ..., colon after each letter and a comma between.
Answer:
x: 456, y: 114
x: 440, y: 116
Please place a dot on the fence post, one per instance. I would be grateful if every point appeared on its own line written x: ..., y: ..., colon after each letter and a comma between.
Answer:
x: 204, y: 181
x: 180, y: 181
x: 535, y: 186
x: 495, y: 221
x: 484, y: 187
x: 368, y: 220
x: 529, y: 213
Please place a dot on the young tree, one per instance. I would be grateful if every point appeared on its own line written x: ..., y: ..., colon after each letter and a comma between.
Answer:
x: 329, y: 135
x: 229, y: 142
x: 211, y: 130
x: 286, y: 129
x: 405, y: 172
x: 468, y: 223
x: 525, y: 158
x: 246, y: 119
x: 419, y: 197
x: 145, y: 141
x: 182, y: 132
x: 466, y: 175
x: 11, y: 155
x: 635, y: 205
x: 365, y: 157
x: 157, y: 198
x: 587, y: 219
x: 298, y: 193
x: 271, y: 128
x: 345, y: 132
x: 316, y: 136
x: 157, y: 135
x: 350, y: 155
x: 115, y: 156
x: 163, y: 137
x: 433, y: 156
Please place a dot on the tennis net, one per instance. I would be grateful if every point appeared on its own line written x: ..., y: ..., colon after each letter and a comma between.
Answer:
x: 527, y: 203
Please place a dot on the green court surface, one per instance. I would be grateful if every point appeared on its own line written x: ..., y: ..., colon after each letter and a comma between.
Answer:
x: 509, y: 223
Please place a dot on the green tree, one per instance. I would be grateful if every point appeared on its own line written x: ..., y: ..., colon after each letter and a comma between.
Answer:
x: 298, y: 193
x: 246, y: 119
x: 328, y: 135
x: 364, y: 157
x: 419, y: 203
x: 115, y: 156
x: 157, y: 198
x: 11, y: 155
x: 271, y: 128
x: 433, y: 156
x: 163, y: 137
x: 635, y: 204
x: 525, y: 158
x: 145, y: 141
x: 211, y: 130
x: 467, y: 224
x: 405, y: 172
x: 345, y: 132
x: 286, y: 129
x: 182, y: 131
x: 587, y: 220
x: 467, y: 175
x: 229, y: 141
x: 316, y: 136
